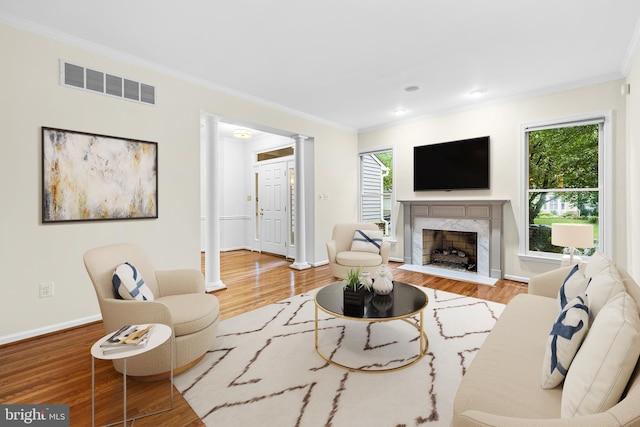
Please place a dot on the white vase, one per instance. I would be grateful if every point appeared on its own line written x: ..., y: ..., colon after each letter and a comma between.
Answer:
x: 382, y: 281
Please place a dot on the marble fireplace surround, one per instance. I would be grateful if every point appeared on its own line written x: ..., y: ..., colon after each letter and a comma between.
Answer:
x: 482, y: 216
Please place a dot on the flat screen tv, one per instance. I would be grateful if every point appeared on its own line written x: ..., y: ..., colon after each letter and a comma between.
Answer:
x: 453, y: 165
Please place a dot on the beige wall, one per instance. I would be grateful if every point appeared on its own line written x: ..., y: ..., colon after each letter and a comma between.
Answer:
x: 502, y: 122
x: 31, y: 97
x: 633, y: 171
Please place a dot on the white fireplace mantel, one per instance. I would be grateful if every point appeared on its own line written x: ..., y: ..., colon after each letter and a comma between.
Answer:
x: 487, y: 211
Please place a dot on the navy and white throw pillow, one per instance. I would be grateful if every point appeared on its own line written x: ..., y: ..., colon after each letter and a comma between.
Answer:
x: 574, y: 284
x: 564, y: 341
x: 128, y: 283
x: 367, y: 241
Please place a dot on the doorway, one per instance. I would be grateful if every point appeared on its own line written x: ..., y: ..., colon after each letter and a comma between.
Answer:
x: 272, y: 205
x: 238, y: 201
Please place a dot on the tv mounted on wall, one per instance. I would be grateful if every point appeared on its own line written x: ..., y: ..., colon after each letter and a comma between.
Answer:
x: 453, y: 165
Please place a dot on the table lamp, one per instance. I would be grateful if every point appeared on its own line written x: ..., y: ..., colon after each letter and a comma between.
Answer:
x: 572, y: 236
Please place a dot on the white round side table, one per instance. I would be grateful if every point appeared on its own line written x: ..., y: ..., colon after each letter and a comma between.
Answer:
x: 158, y: 336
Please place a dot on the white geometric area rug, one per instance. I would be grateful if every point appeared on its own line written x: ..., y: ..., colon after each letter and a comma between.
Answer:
x: 264, y: 370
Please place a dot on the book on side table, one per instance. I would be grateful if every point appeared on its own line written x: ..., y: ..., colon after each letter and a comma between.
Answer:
x: 127, y: 338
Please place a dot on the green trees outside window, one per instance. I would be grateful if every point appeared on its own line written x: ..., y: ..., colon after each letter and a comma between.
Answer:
x: 563, y: 181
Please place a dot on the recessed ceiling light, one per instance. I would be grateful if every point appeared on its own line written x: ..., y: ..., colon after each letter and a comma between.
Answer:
x: 399, y: 111
x: 411, y: 88
x: 477, y: 93
x: 242, y: 133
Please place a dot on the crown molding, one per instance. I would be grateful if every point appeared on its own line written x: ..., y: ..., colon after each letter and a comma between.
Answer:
x: 632, y: 50
x: 69, y: 39
x: 497, y: 101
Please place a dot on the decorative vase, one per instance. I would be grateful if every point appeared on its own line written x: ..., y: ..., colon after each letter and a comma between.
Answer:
x: 383, y: 281
x: 353, y: 301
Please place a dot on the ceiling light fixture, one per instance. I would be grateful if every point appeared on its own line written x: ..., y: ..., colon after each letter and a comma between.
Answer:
x: 399, y: 111
x: 411, y: 88
x: 477, y: 93
x: 242, y: 133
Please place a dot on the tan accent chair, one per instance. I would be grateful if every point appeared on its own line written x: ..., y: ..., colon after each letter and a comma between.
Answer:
x: 180, y: 301
x: 342, y: 259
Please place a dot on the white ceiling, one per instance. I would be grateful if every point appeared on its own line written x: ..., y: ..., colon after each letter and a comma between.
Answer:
x: 348, y: 61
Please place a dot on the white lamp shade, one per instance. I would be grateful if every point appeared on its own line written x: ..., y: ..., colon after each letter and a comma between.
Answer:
x: 572, y: 235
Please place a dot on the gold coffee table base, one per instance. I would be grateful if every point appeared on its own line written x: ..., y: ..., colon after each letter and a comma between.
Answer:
x: 424, y: 341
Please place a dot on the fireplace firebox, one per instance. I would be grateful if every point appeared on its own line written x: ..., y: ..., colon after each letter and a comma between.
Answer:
x: 450, y: 249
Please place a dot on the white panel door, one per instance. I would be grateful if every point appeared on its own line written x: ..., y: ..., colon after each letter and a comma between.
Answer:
x: 272, y: 201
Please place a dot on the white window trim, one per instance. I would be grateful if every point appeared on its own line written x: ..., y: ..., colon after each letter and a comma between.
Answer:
x: 605, y: 182
x: 394, y: 212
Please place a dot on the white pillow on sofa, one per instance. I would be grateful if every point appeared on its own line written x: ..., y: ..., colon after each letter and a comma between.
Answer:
x: 602, y: 288
x: 128, y: 283
x: 367, y: 241
x: 601, y: 370
x: 567, y: 333
x: 597, y: 262
x: 574, y: 284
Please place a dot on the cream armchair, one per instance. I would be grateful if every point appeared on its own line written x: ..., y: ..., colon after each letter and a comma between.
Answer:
x: 179, y: 301
x: 342, y: 258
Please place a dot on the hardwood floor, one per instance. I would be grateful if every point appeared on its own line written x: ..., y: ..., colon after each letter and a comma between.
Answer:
x: 57, y: 368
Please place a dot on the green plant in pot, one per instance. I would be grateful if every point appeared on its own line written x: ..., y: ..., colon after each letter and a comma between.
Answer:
x: 354, y: 290
x: 353, y: 282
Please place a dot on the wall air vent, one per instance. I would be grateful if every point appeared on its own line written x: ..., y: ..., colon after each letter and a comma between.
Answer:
x: 79, y: 77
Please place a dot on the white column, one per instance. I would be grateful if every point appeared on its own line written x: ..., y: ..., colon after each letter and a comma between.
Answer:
x: 213, y: 187
x: 299, y: 215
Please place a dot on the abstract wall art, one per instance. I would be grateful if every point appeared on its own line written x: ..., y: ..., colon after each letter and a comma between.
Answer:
x: 96, y: 177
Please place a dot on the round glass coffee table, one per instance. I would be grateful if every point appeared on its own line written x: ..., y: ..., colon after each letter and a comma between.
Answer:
x: 402, y: 303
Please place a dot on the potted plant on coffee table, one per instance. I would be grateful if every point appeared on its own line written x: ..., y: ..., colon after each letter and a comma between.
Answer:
x: 354, y: 289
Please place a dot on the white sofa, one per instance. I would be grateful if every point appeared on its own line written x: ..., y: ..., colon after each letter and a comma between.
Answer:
x: 502, y: 386
x: 342, y: 257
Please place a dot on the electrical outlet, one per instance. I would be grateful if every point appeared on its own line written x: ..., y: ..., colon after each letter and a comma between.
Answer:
x: 46, y: 290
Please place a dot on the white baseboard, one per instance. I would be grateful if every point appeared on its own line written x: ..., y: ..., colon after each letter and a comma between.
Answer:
x: 516, y: 278
x: 234, y: 248
x: 6, y: 339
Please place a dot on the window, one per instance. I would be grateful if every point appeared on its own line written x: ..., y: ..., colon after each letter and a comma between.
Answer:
x: 566, y: 181
x: 376, y: 188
